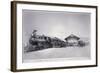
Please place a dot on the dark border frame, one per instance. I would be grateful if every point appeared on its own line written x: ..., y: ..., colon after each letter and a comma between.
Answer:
x: 14, y: 35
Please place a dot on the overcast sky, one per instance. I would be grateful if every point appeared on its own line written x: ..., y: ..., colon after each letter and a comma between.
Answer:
x: 55, y: 23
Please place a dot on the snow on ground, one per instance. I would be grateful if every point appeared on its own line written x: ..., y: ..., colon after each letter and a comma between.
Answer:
x: 51, y: 53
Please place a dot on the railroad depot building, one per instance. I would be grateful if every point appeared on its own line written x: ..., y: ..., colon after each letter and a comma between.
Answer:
x: 72, y: 40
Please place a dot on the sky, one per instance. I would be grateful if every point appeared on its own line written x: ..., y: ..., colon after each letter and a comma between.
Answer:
x: 55, y: 23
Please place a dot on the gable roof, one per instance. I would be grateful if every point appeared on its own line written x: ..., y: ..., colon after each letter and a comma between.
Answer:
x: 72, y: 36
